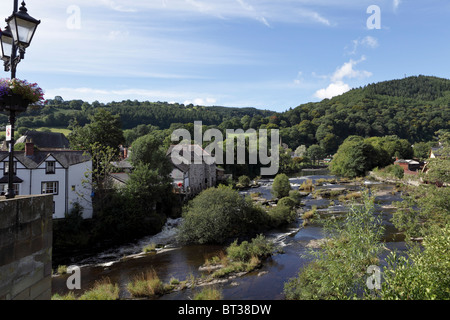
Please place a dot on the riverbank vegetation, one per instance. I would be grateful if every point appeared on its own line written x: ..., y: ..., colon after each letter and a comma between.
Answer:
x: 339, y: 267
x: 219, y: 214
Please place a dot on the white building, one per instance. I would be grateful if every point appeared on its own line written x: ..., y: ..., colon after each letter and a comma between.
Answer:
x: 64, y: 173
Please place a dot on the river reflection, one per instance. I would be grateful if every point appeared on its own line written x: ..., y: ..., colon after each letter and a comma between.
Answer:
x: 183, y: 262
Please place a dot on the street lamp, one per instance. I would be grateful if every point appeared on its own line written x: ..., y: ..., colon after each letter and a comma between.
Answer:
x: 17, y: 36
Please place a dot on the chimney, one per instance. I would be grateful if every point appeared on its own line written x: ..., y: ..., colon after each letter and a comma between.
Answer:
x: 125, y: 153
x: 29, y: 148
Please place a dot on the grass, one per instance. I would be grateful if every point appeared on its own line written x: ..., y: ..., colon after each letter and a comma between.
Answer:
x: 209, y: 293
x: 309, y: 215
x: 244, y: 257
x: 62, y: 269
x: 69, y: 296
x: 147, y: 285
x: 149, y: 248
x: 64, y: 131
x: 350, y: 196
x: 307, y: 186
x: 102, y: 290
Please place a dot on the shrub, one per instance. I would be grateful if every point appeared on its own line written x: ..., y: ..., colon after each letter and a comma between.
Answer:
x: 281, y: 214
x: 218, y: 214
x: 147, y: 285
x: 307, y: 186
x: 287, y: 201
x: 102, y: 290
x: 244, y: 181
x: 281, y: 186
x: 208, y: 293
x: 338, y: 270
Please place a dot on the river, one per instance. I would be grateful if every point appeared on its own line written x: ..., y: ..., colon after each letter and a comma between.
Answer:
x: 121, y: 264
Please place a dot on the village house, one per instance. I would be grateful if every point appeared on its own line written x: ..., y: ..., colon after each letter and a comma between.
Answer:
x: 49, y: 170
x: 191, y: 177
x: 410, y: 166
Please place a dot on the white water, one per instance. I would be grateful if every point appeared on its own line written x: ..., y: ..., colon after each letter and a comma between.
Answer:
x: 108, y: 257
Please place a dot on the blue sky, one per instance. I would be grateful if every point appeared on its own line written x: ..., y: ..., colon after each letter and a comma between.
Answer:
x: 268, y: 54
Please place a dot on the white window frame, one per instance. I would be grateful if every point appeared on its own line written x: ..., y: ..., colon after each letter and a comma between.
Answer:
x: 50, y: 187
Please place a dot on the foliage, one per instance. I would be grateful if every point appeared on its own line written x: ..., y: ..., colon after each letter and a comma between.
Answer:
x: 338, y: 270
x: 102, y: 290
x: 418, y: 215
x: 353, y: 158
x: 422, y: 274
x: 208, y: 293
x: 104, y: 129
x: 149, y: 151
x: 147, y: 285
x: 218, y: 214
x: 259, y: 247
x: 281, y: 214
x: 244, y: 181
x: 281, y: 186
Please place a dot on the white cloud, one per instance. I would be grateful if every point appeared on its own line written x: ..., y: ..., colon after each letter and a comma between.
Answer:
x: 201, y: 101
x: 397, y: 4
x: 334, y: 89
x: 367, y: 42
x: 337, y: 86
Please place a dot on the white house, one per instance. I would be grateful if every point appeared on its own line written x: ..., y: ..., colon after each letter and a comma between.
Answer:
x: 58, y: 172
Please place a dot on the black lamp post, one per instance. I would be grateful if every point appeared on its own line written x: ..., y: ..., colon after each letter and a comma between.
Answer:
x: 17, y: 36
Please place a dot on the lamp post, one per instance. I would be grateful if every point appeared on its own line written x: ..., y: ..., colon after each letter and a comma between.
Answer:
x: 14, y: 40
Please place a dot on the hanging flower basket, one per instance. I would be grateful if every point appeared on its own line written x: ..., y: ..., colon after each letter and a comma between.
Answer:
x: 17, y: 95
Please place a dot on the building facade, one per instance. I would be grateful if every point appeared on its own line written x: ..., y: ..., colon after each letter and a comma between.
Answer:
x: 65, y: 174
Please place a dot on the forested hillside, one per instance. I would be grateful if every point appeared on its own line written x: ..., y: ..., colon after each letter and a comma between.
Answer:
x: 413, y: 108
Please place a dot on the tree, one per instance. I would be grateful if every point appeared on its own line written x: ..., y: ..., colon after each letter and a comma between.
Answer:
x: 104, y: 128
x: 281, y: 186
x: 353, y: 159
x: 148, y: 150
x: 218, y: 214
x: 315, y: 152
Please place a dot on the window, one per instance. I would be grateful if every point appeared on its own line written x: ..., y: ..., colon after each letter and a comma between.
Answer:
x: 50, y: 167
x: 4, y: 188
x: 6, y: 167
x: 50, y: 187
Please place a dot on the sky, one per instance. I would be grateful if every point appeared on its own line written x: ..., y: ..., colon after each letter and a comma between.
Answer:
x: 266, y: 54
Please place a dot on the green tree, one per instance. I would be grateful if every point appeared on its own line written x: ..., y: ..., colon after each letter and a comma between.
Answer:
x: 149, y: 151
x: 338, y: 271
x: 281, y: 186
x: 104, y: 129
x: 218, y: 214
x: 354, y: 158
x: 315, y: 152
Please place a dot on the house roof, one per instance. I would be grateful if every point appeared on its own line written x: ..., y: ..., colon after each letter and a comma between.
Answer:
x: 5, y: 179
x: 407, y: 161
x: 45, y: 140
x: 66, y: 158
x: 192, y: 151
x: 123, y: 164
x: 121, y: 177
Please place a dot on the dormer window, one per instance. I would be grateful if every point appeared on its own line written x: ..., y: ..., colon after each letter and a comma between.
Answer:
x: 50, y: 167
x: 6, y: 168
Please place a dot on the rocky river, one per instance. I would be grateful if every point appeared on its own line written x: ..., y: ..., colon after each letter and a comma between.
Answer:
x: 122, y: 264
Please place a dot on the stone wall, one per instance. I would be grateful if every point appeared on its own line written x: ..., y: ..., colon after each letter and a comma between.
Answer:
x: 26, y: 248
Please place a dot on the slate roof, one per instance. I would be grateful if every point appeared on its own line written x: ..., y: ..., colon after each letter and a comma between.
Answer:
x: 66, y: 158
x: 45, y: 140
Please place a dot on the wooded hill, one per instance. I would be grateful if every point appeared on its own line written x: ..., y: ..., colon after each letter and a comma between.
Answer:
x: 413, y: 108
